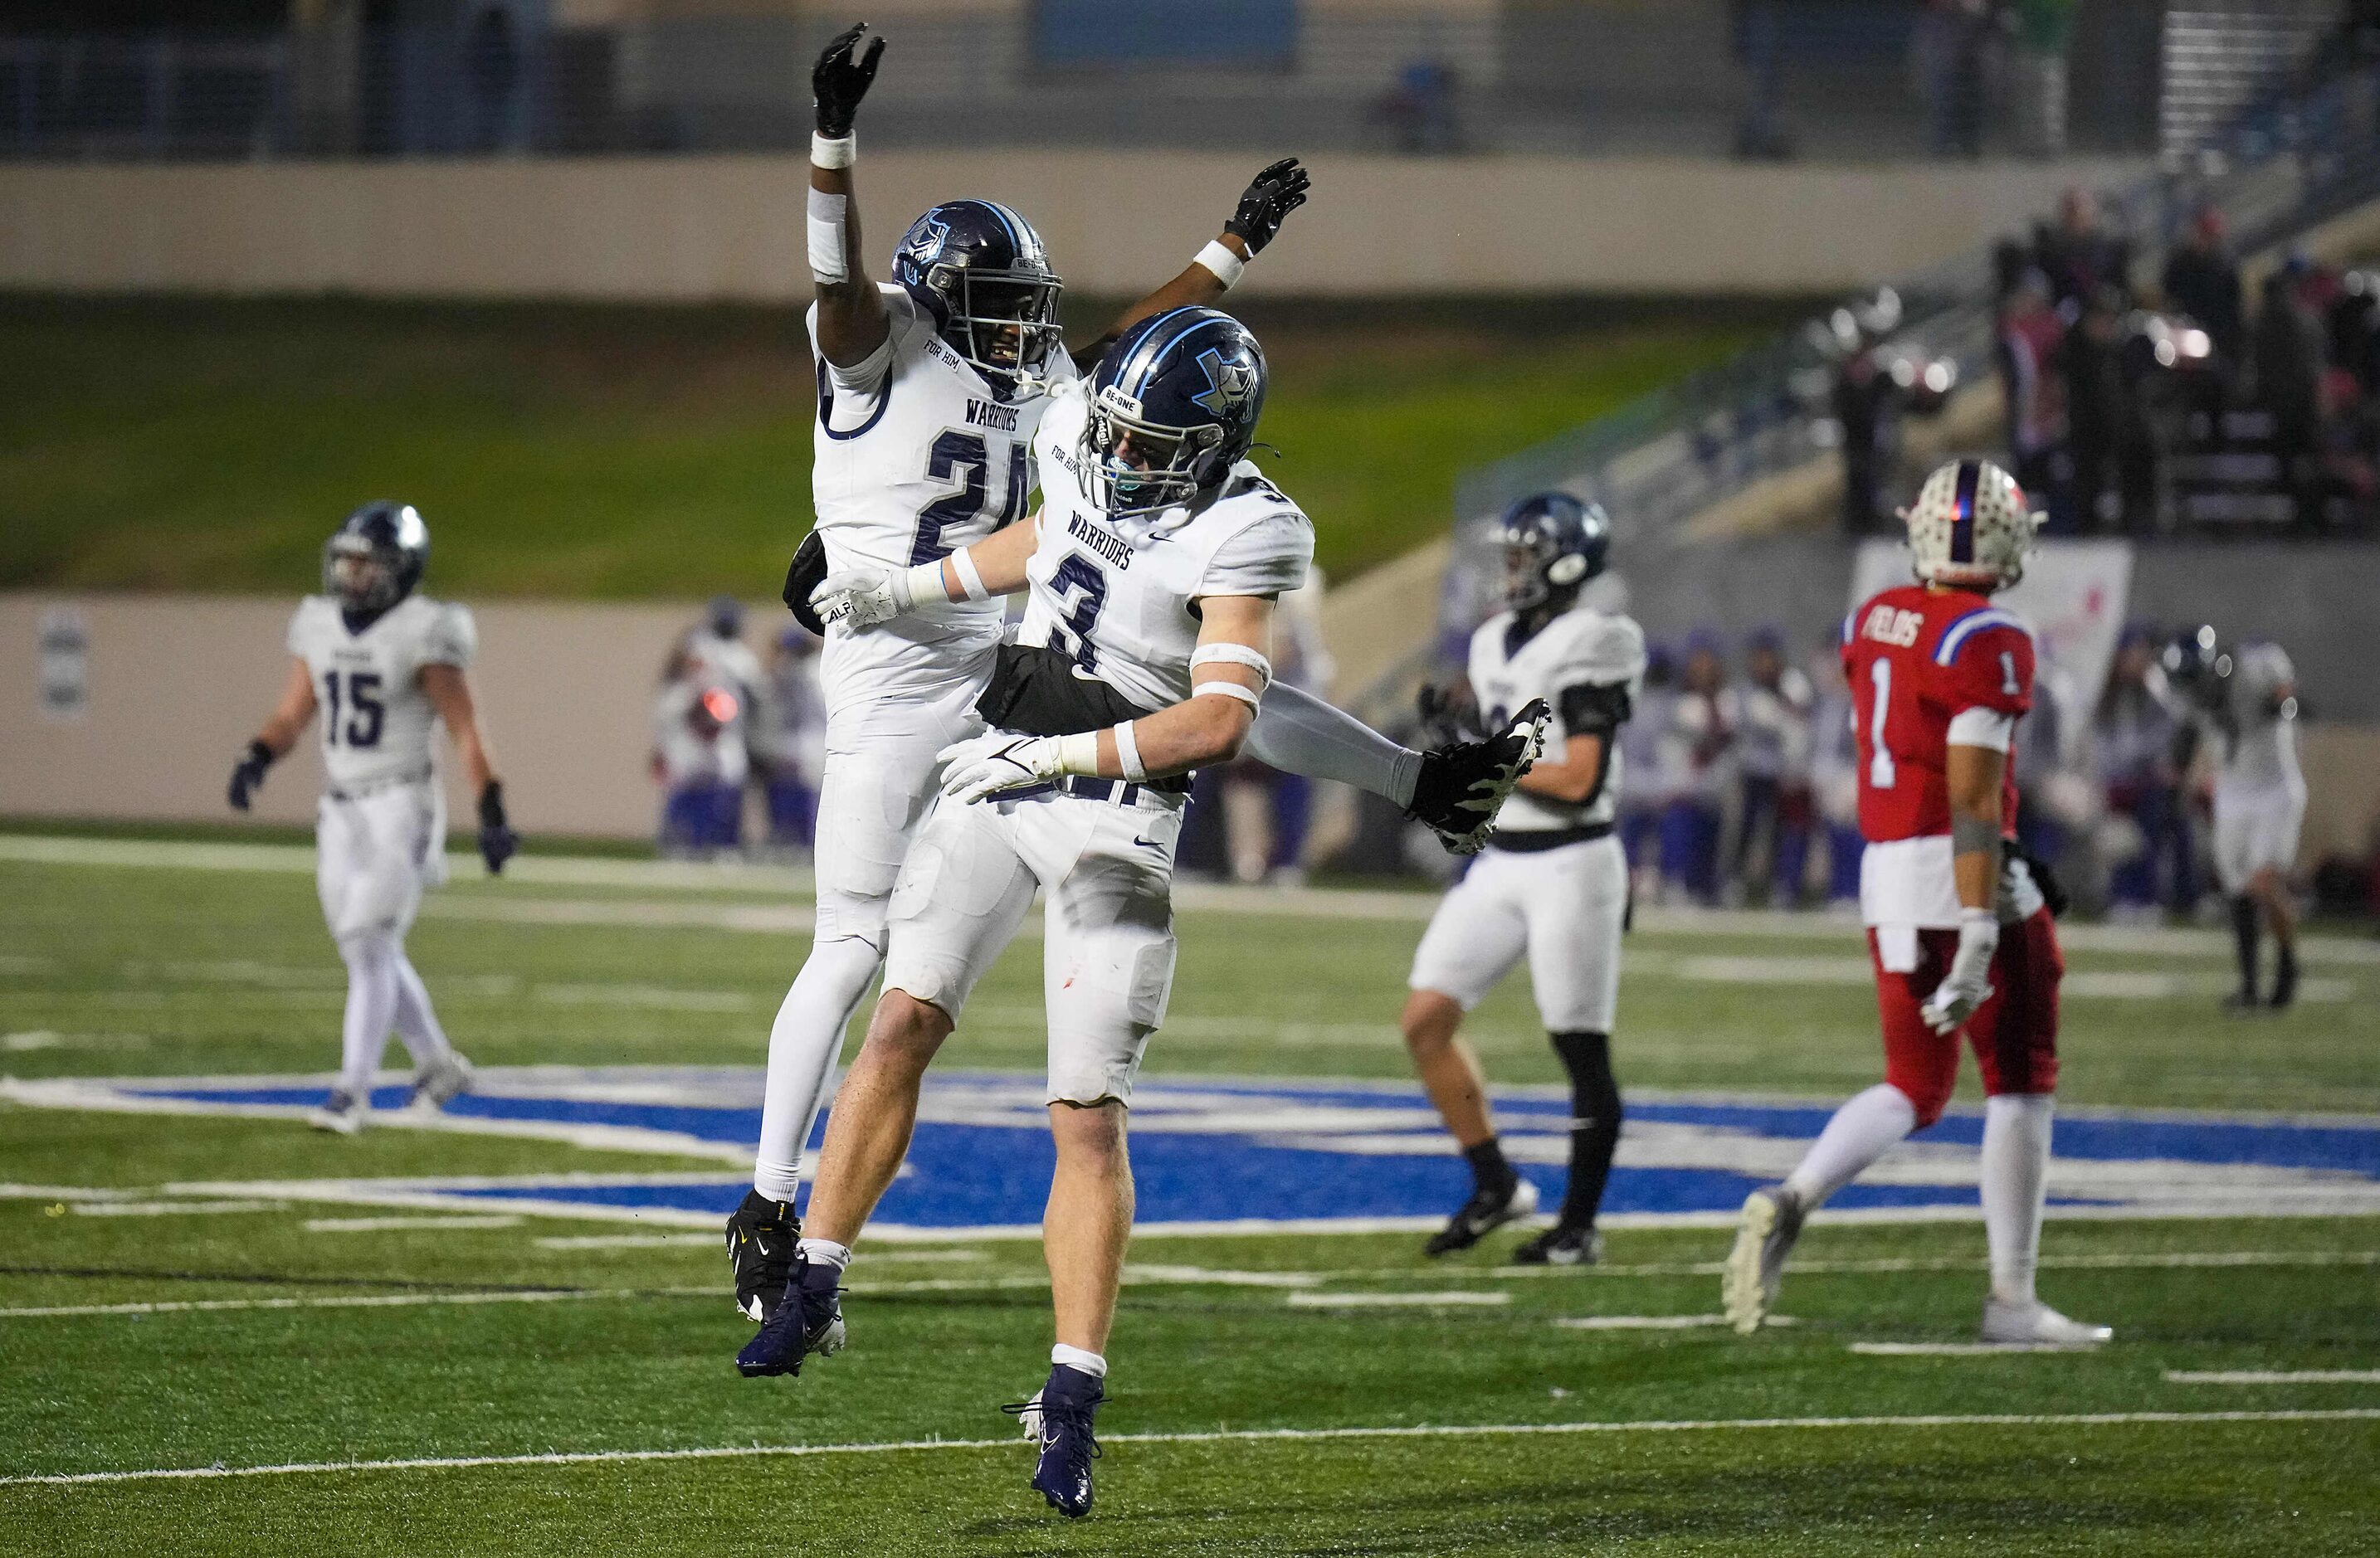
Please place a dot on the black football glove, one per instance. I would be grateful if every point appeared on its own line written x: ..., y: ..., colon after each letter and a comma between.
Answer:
x: 248, y: 774
x: 498, y: 843
x: 1278, y: 190
x: 802, y: 577
x: 838, y: 81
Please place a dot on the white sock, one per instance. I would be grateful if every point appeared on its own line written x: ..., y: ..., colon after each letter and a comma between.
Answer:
x: 1090, y: 1363
x: 1299, y: 733
x: 1861, y: 1132
x: 372, y: 1007
x: 803, y: 1044
x: 2016, y: 1169
x: 417, y: 1024
x: 823, y: 1253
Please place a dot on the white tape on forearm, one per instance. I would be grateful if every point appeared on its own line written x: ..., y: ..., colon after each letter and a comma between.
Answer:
x: 1079, y: 755
x: 828, y: 267
x: 836, y: 153
x: 1218, y: 257
x: 1232, y: 654
x: 970, y: 580
x: 921, y: 586
x: 1128, y: 752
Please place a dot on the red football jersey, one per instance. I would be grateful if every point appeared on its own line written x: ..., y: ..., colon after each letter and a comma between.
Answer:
x: 1916, y: 658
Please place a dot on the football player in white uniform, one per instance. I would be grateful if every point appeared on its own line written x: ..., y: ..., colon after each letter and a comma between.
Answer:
x: 929, y: 393
x: 381, y: 662
x: 2243, y: 704
x: 1553, y: 885
x: 1152, y: 570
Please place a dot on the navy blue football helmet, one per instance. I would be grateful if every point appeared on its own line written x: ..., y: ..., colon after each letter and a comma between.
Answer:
x: 1174, y: 403
x: 375, y: 557
x: 1553, y: 544
x: 980, y: 271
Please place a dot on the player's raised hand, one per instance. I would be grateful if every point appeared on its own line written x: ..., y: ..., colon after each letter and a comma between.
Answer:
x: 842, y: 77
x: 1277, y: 191
x: 987, y: 764
x: 498, y: 843
x: 859, y: 598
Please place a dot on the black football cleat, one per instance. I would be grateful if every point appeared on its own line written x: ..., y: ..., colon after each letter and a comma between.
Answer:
x: 1562, y: 1245
x: 1489, y: 1208
x: 761, y: 1239
x: 1463, y: 787
x: 1058, y: 1418
x: 807, y: 1322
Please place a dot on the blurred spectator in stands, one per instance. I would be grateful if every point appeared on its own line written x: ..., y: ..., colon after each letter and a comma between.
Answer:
x: 2080, y: 255
x: 493, y: 66
x: 2026, y: 355
x: 715, y: 648
x: 1757, y: 31
x: 1834, y: 774
x: 2286, y: 355
x: 789, y: 738
x: 2202, y: 282
x: 2133, y: 741
x: 1265, y: 811
x: 1867, y: 410
x: 1701, y: 753
x: 2045, y: 29
x: 1772, y: 834
x: 1645, y: 751
x: 699, y: 759
x: 1420, y: 109
x: 2099, y: 408
x: 1953, y: 45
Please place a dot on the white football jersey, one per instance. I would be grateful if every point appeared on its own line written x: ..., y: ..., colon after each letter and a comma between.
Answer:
x: 1580, y: 649
x: 927, y: 462
x: 2256, y: 744
x: 1117, y: 596
x: 375, y: 719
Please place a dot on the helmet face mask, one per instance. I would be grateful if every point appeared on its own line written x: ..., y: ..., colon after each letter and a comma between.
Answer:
x: 1553, y: 544
x: 375, y: 558
x: 1143, y: 466
x: 1173, y: 405
x: 1971, y: 527
x: 980, y: 271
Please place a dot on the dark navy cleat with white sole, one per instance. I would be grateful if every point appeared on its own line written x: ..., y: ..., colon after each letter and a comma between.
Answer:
x: 1058, y: 1418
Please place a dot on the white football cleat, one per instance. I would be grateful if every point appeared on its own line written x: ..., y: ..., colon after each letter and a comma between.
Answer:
x: 440, y: 1083
x: 2038, y: 1325
x: 343, y: 1112
x: 1771, y: 1221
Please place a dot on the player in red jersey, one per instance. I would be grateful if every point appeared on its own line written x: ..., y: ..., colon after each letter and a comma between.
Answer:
x: 1957, y: 928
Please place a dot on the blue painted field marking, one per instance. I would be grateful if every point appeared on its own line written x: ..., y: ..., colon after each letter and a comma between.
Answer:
x: 1209, y: 1151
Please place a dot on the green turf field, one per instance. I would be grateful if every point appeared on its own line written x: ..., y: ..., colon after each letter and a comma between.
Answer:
x: 189, y: 444
x: 1256, y: 1409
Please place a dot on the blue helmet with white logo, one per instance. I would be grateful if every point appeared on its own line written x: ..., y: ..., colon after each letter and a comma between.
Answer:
x: 1174, y: 403
x: 375, y: 557
x: 981, y: 272
x: 1553, y: 544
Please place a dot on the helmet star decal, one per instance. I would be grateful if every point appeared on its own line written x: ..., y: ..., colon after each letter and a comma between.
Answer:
x: 927, y: 240
x: 1228, y: 383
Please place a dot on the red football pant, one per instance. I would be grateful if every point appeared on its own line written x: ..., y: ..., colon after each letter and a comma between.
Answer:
x: 2014, y: 1031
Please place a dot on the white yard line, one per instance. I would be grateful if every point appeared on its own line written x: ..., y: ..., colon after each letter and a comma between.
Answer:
x: 1655, y: 1322
x: 172, y: 1208
x: 1959, y: 1349
x: 1246, y: 1436
x: 2273, y: 1376
x: 1411, y: 1299
x: 393, y: 1225
x: 345, y: 1302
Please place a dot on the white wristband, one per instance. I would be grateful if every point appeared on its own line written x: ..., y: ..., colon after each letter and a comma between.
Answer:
x: 1128, y: 752
x: 920, y: 586
x: 826, y: 154
x: 827, y: 217
x: 970, y: 581
x: 1079, y: 755
x: 1218, y: 257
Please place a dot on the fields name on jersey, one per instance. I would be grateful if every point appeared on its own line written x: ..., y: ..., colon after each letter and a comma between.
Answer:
x: 1894, y: 625
x: 989, y: 414
x: 1107, y: 543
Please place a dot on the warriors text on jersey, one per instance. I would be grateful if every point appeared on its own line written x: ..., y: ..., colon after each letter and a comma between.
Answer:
x: 918, y: 455
x: 1927, y: 669
x: 376, y: 721
x: 1589, y: 667
x: 1121, y: 598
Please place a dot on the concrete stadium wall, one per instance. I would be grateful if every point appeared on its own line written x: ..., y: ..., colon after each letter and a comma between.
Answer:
x: 731, y: 227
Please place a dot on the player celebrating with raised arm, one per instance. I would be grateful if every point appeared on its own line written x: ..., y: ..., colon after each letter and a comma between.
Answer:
x: 1553, y: 885
x: 380, y: 661
x: 1958, y: 927
x: 1152, y: 568
x: 930, y: 393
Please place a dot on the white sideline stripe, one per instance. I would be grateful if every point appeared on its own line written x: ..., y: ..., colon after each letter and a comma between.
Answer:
x: 1442, y: 1298
x: 1961, y: 1349
x: 2273, y: 1376
x: 391, y: 1225
x: 1292, y: 902
x: 1655, y: 1322
x: 1241, y: 1436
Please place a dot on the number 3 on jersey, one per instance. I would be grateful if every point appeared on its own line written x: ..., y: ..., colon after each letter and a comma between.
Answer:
x: 1084, y: 588
x: 965, y: 457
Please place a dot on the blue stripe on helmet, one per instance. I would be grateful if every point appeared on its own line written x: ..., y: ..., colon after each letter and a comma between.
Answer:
x: 1963, y: 527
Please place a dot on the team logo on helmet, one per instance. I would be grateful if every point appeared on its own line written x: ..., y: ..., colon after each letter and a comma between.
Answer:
x: 1228, y: 383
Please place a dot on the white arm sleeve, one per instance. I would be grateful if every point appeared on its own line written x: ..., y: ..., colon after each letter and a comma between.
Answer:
x: 1299, y: 733
x: 1269, y: 557
x: 1983, y: 727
